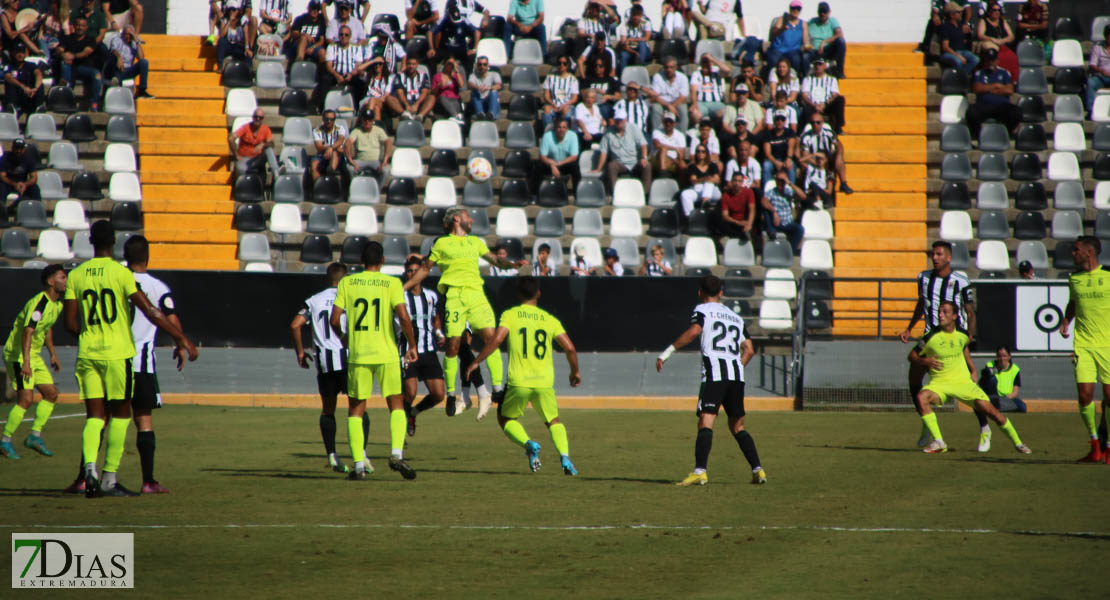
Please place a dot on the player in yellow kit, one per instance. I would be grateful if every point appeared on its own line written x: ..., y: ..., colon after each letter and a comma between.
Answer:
x: 23, y: 356
x: 531, y: 331
x: 1089, y: 307
x: 461, y: 285
x: 98, y: 299
x: 952, y: 375
x: 371, y: 299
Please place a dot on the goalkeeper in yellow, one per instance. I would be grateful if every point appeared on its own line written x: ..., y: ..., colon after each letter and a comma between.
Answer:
x: 952, y: 375
x: 531, y: 331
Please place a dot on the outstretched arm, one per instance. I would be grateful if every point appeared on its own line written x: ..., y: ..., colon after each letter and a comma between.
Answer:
x: 170, y: 326
x: 298, y: 344
x: 493, y: 259
x: 499, y: 336
x: 691, y: 334
x: 421, y: 273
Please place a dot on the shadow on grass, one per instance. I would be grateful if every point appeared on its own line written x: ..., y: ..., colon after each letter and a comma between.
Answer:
x: 1098, y: 537
x: 1015, y: 461
x: 271, y: 473
x: 872, y: 448
x: 43, y: 492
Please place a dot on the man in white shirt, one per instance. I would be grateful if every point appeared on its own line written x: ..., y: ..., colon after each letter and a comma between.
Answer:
x: 670, y: 90
x: 715, y: 18
x: 587, y: 115
x: 670, y: 147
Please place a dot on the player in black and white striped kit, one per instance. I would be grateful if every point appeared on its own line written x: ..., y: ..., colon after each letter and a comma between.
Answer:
x: 427, y: 326
x: 725, y: 351
x: 331, y: 360
x: 942, y: 284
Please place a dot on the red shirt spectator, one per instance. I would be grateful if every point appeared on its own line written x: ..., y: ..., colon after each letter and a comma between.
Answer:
x: 737, y: 212
x: 740, y: 205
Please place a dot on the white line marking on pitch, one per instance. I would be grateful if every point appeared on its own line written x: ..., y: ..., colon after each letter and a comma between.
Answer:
x: 52, y: 418
x: 829, y: 528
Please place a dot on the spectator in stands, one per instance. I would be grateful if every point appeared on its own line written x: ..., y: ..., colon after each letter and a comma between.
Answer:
x: 789, y: 37
x: 703, y: 180
x: 732, y: 136
x: 750, y: 78
x: 670, y: 91
x: 735, y: 215
x: 587, y: 117
x: 345, y: 18
x: 246, y: 11
x: 121, y: 13
x: 447, y: 86
x: 473, y: 11
x: 501, y: 251
x: 827, y: 38
x: 596, y: 18
x: 127, y: 60
x: 745, y: 47
x: 600, y: 49
x: 1001, y: 380
x: 674, y: 25
x: 421, y: 17
x: 1033, y: 21
x: 624, y: 150
x: 779, y: 145
x: 708, y: 138
x: 411, y: 96
x: 19, y: 174
x: 1025, y: 270
x: 608, y: 88
x: 635, y: 35
x: 714, y: 18
x: 544, y: 265
x: 79, y: 61
x: 784, y: 79
x: 560, y: 92
x: 385, y: 46
x: 233, y: 39
x: 329, y: 139
x: 274, y: 17
x: 453, y: 36
x: 485, y: 90
x: 379, y: 85
x: 308, y: 34
x: 939, y: 16
x: 778, y: 210
x: 525, y: 19
x: 580, y: 265
x: 55, y: 25
x: 819, y: 138
x: 993, y: 32
x: 637, y: 109
x: 741, y: 105
x: 817, y: 184
x: 1099, y: 64
x: 363, y: 7
x: 656, y: 265
x: 993, y: 86
x: 953, y: 41
x: 747, y: 167
x: 670, y: 147
x: 23, y: 91
x: 708, y: 88
x: 344, y: 64
x: 369, y: 149
x: 13, y: 35
x: 821, y: 95
x: 253, y: 146
x: 97, y: 24
x: 559, y: 151
x: 781, y: 108
x: 613, y: 266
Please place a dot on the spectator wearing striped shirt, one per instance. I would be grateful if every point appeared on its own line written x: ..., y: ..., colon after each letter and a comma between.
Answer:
x: 411, y: 96
x: 544, y: 265
x: 329, y: 140
x: 453, y: 38
x: 817, y: 184
x: 637, y: 109
x: 596, y: 18
x: 784, y: 79
x: 634, y: 37
x: 817, y: 138
x: 275, y: 18
x: 378, y: 86
x: 385, y: 46
x: 344, y: 65
x: 560, y: 92
x: 821, y: 94
x: 707, y: 89
x: 714, y: 18
x: 657, y: 265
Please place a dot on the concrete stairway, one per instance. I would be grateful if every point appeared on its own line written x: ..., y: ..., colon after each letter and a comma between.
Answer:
x: 881, y: 229
x: 184, y: 161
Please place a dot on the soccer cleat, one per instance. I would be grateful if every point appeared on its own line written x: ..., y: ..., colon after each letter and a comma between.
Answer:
x: 532, y: 451
x: 92, y: 486
x: 119, y: 491
x: 759, y: 476
x: 568, y: 467
x: 1023, y: 449
x: 935, y: 447
x: 484, y: 403
x: 1094, y: 456
x: 985, y: 441
x: 77, y: 487
x: 6, y: 449
x: 402, y: 467
x: 35, y: 443
x: 153, y: 487
x: 462, y: 405
x: 449, y: 406
x: 925, y: 438
x: 338, y: 466
x: 357, y: 475
x: 694, y: 479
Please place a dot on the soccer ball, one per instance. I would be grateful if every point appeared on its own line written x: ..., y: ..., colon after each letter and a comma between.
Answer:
x: 479, y: 169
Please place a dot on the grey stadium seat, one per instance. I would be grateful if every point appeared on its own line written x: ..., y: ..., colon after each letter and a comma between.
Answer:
x: 322, y: 219
x: 121, y: 128
x: 955, y: 138
x: 955, y: 167
x: 477, y: 194
x: 1069, y: 195
x: 590, y: 193
x: 550, y: 223
x: 993, y: 225
x: 254, y: 247
x: 1034, y: 252
x: 993, y: 137
x: 778, y: 254
x: 520, y: 135
x: 992, y: 167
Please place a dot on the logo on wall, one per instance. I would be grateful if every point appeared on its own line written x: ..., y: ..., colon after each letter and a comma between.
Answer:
x: 1039, y: 310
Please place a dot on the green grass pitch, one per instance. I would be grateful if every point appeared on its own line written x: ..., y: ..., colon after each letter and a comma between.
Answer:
x: 852, y: 510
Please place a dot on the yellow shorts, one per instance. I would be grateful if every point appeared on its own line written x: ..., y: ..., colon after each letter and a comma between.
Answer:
x: 104, y: 379
x: 1092, y: 365
x: 967, y: 392
x: 40, y: 375
x: 360, y: 380
x: 518, y: 398
x: 465, y: 305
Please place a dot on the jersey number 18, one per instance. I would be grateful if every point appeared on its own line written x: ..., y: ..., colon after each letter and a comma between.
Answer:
x: 540, y: 347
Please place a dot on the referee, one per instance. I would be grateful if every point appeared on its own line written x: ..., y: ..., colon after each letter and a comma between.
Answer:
x: 934, y: 287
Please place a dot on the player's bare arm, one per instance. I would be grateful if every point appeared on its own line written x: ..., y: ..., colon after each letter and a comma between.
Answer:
x: 1069, y: 314
x: 918, y: 312
x: 298, y: 344
x: 691, y: 334
x: 969, y: 309
x: 176, y: 351
x: 572, y: 357
x: 928, y: 362
x: 69, y: 318
x: 747, y: 351
x: 402, y: 313
x: 437, y: 322
x: 499, y: 336
x: 336, y: 323
x: 425, y: 268
x: 28, y: 335
x: 971, y: 364
x: 140, y: 301
x: 493, y: 259
x: 49, y: 343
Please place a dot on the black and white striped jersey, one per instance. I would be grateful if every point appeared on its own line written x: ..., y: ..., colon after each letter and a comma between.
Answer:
x: 818, y: 141
x: 722, y: 333
x: 711, y: 88
x: 561, y: 88
x: 345, y: 60
x: 142, y: 330
x: 330, y: 354
x: 820, y: 89
x: 422, y: 309
x: 656, y: 270
x: 411, y: 85
x: 934, y: 289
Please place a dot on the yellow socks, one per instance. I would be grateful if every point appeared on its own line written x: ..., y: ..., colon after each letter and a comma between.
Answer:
x: 356, y: 438
x: 450, y: 372
x: 515, y: 432
x: 930, y: 421
x: 42, y: 415
x: 397, y: 424
x: 15, y: 416
x: 496, y: 369
x: 90, y: 439
x: 1087, y: 413
x: 559, y: 437
x: 1011, y: 432
x: 117, y: 437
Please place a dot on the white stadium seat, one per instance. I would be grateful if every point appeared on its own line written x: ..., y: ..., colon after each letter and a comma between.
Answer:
x: 120, y: 158
x: 591, y: 247
x: 955, y: 226
x: 364, y: 190
x: 493, y: 49
x: 361, y: 220
x: 817, y: 224
x: 398, y: 220
x: 512, y: 222
x: 446, y: 135
x: 738, y: 254
x: 953, y: 109
x: 780, y: 284
x: 254, y: 247
x: 775, y: 314
x: 406, y: 163
x: 286, y: 218
x: 1102, y: 195
x: 240, y: 102
x: 628, y: 193
x: 1100, y: 112
x: 1063, y: 166
x: 816, y: 255
x: 1069, y: 137
x: 1067, y: 53
x: 259, y: 267
x: 70, y: 215
x: 700, y: 252
x: 125, y: 187
x: 440, y: 192
x: 992, y: 256
x: 625, y: 222
x: 54, y: 245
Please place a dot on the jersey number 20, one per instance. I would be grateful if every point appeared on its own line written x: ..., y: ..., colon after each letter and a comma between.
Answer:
x: 107, y: 301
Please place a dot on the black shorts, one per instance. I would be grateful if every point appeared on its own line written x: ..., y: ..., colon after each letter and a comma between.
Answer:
x: 426, y: 367
x: 147, y: 395
x: 715, y: 394
x: 332, y: 384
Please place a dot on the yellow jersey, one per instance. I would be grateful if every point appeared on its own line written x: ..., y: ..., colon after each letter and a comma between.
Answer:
x: 1090, y: 290
x: 369, y: 298
x: 102, y: 288
x: 457, y: 257
x: 532, y: 331
x: 40, y: 313
x: 949, y: 349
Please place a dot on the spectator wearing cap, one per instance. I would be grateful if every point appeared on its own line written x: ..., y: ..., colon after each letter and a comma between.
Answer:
x: 455, y: 37
x: 993, y: 86
x: 608, y: 88
x: 635, y: 35
x: 128, y: 60
x: 636, y: 107
x: 670, y: 147
x: 742, y: 105
x: 940, y: 15
x: 732, y: 136
x: 23, y: 83
x: 747, y: 167
x: 708, y: 91
x: 485, y: 89
x: 308, y: 36
x: 745, y: 47
x: 560, y: 92
x: 789, y: 36
x: 954, y: 50
x: 599, y: 50
x: 525, y: 19
x: 819, y: 138
x: 994, y: 32
x: 821, y: 95
x: 559, y: 151
x: 781, y: 108
x: 827, y: 38
x: 580, y: 265
x: 1099, y: 65
x: 624, y: 151
x: 778, y: 209
x: 703, y: 180
x: 707, y: 137
x: 670, y: 90
x: 19, y: 174
x: 587, y: 117
x: 79, y: 60
x: 1025, y: 270
x: 368, y: 149
x: 421, y: 17
x: 735, y: 216
x: 385, y: 46
x: 714, y: 18
x: 344, y: 65
x: 613, y: 266
x: 253, y: 146
x: 779, y: 147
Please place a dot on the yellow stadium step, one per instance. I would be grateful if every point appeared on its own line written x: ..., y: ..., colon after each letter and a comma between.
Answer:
x: 190, y: 221
x: 882, y: 142
x: 208, y: 207
x: 185, y: 135
x: 186, y: 194
x: 185, y: 148
x: 888, y: 155
x: 196, y: 237
x: 187, y: 177
x: 182, y: 64
x: 887, y: 170
x: 162, y: 162
x: 181, y: 119
x: 879, y: 245
x: 900, y: 72
x: 870, y: 289
x: 876, y: 259
x: 185, y: 91
x: 882, y: 213
x: 873, y: 127
x: 859, y: 89
x: 160, y: 51
x: 189, y: 78
x: 880, y: 200
x: 194, y: 251
x: 185, y: 108
x: 884, y: 59
x: 865, y: 306
x: 895, y: 113
x: 886, y: 185
x: 883, y: 272
x: 870, y: 47
x: 871, y: 229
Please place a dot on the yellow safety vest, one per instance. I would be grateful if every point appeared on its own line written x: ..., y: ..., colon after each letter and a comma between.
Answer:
x: 1005, y: 378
